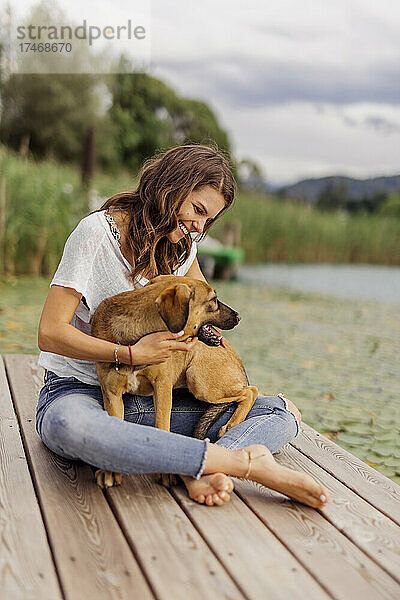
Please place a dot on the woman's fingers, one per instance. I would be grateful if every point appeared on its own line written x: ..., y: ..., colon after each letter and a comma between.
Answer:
x: 185, y: 346
x: 156, y: 348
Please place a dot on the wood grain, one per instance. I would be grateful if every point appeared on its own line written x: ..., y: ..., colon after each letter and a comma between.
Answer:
x: 368, y: 483
x: 340, y: 567
x: 92, y: 556
x: 257, y: 561
x: 177, y: 562
x: 373, y: 532
x: 23, y: 573
x: 140, y: 541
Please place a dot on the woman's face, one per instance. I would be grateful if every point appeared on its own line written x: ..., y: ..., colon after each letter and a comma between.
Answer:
x: 200, y: 206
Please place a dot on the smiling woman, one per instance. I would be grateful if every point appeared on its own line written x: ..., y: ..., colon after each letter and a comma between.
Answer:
x: 186, y: 186
x: 199, y: 209
x: 179, y: 194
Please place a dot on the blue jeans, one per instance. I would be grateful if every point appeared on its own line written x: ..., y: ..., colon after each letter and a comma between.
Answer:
x: 71, y: 421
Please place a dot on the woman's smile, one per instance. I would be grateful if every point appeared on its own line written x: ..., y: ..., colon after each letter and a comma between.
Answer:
x: 200, y: 206
x: 183, y: 228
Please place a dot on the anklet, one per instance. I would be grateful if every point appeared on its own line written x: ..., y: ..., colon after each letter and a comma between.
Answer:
x: 251, y: 458
x: 249, y: 469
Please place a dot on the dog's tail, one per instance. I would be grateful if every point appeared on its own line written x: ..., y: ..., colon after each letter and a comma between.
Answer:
x: 211, y: 415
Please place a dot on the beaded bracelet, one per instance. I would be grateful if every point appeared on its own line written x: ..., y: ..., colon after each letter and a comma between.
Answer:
x: 117, y: 363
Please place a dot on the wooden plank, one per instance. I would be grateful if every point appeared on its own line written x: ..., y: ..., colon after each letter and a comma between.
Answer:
x: 23, y: 573
x: 341, y: 568
x: 257, y: 561
x: 176, y: 560
x: 378, y: 490
x: 373, y: 532
x: 92, y: 556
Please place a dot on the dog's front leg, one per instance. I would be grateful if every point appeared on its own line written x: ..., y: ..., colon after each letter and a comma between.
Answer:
x: 162, y: 397
x: 163, y: 406
x: 114, y: 405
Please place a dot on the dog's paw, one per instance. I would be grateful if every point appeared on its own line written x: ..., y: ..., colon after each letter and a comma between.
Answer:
x: 165, y: 479
x: 106, y: 479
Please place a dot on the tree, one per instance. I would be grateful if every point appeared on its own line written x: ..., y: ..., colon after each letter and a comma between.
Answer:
x: 250, y: 174
x: 150, y: 116
x: 49, y: 113
x: 334, y: 196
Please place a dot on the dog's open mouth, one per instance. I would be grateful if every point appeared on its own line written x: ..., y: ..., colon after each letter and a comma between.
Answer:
x: 210, y: 336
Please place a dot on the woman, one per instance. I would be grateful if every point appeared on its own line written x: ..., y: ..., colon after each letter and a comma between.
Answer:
x: 133, y: 237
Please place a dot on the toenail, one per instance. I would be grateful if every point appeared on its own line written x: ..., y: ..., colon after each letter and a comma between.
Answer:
x: 222, y: 494
x: 226, y: 488
x: 322, y: 498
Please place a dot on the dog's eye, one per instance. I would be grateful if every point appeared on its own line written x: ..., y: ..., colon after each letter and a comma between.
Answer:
x: 214, y: 303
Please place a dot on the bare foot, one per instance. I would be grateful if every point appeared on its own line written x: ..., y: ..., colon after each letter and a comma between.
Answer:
x: 209, y: 489
x: 296, y: 485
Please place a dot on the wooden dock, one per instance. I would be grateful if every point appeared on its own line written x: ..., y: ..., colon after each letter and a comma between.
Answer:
x: 64, y: 538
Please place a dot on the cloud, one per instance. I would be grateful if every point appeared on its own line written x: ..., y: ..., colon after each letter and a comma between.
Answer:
x: 382, y: 125
x: 246, y: 81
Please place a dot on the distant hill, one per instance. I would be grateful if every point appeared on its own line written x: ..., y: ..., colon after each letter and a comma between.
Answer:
x: 310, y: 189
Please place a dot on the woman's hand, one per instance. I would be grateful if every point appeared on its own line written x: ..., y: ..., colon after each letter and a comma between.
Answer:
x: 156, y: 348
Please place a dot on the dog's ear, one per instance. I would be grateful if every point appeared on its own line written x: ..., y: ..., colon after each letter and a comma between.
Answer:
x: 173, y: 306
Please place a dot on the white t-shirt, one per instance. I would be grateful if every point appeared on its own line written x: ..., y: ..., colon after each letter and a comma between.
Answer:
x: 93, y: 265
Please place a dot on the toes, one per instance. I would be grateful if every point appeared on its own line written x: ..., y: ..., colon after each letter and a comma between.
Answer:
x: 324, y: 497
x: 224, y: 496
x: 200, y: 499
x: 222, y: 483
x: 217, y: 500
x: 209, y: 500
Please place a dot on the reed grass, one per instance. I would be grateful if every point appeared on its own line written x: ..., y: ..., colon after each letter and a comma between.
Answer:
x: 42, y: 201
x: 278, y: 231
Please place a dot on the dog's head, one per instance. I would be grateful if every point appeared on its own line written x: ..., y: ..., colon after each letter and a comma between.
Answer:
x: 192, y: 305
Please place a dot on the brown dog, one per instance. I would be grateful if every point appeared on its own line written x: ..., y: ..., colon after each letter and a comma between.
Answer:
x: 212, y: 371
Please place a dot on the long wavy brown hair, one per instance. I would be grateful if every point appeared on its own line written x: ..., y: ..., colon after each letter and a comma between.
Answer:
x: 165, y: 181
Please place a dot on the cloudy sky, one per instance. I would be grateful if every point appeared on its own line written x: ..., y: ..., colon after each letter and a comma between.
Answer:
x: 306, y: 88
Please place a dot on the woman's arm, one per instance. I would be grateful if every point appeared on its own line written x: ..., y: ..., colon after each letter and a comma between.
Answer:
x: 57, y: 335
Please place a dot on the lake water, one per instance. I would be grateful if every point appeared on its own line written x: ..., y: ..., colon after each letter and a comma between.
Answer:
x: 358, y: 282
x: 330, y: 341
